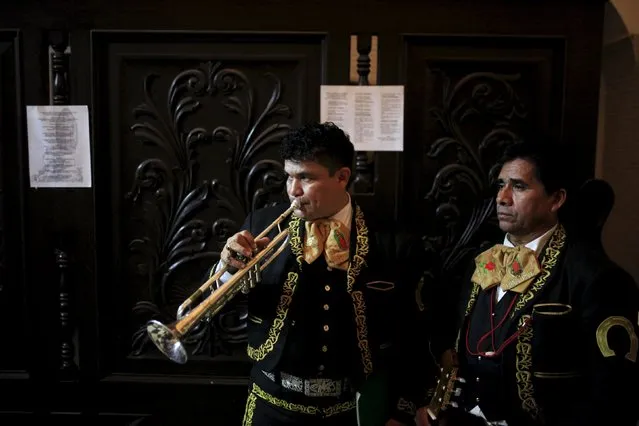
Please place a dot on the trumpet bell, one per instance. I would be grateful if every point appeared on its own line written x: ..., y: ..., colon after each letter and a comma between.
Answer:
x: 167, y: 341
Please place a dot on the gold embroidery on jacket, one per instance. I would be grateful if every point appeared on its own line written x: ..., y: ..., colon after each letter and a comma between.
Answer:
x: 359, y: 304
x: 306, y: 409
x: 551, y: 254
x: 260, y: 353
x: 361, y: 250
x: 523, y: 365
x: 249, y: 410
x: 362, y: 331
x: 281, y: 312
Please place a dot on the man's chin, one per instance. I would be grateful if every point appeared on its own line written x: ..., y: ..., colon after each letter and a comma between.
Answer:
x: 505, y: 226
x: 302, y: 214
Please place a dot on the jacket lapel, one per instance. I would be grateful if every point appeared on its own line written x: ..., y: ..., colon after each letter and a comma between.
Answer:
x: 359, y: 248
x: 549, y: 261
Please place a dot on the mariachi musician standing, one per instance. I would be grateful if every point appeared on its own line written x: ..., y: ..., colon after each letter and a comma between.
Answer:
x: 338, y: 306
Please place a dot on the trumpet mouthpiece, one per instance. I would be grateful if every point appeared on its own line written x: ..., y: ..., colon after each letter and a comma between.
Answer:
x: 295, y: 204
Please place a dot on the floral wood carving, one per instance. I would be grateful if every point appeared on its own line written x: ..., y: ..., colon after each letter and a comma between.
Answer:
x: 175, y: 235
x: 479, y: 116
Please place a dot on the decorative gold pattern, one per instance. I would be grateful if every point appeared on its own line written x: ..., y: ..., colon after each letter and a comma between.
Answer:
x: 361, y: 250
x: 524, y: 365
x: 473, y: 298
x: 305, y: 409
x: 551, y: 254
x: 250, y: 410
x: 362, y: 331
x: 406, y: 406
x: 602, y: 336
x: 294, y: 227
x: 281, y: 312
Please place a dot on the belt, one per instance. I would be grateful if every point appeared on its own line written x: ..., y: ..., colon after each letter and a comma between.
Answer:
x: 316, y: 387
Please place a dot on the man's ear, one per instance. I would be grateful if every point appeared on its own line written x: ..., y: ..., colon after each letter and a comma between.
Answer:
x: 343, y: 175
x: 559, y: 198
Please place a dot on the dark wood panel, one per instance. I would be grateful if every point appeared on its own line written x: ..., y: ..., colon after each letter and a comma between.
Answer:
x: 13, y: 307
x: 156, y: 399
x: 434, y: 16
x: 186, y: 129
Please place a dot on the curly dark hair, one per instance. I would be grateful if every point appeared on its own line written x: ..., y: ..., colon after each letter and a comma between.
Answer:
x: 323, y: 143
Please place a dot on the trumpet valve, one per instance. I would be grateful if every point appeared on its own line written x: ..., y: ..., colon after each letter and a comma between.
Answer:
x: 245, y: 285
x: 258, y: 275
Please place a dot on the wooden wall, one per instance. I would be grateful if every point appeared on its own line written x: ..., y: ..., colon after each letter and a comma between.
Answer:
x: 187, y: 102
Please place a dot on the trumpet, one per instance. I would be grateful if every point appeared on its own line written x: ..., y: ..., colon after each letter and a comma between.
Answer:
x: 167, y: 338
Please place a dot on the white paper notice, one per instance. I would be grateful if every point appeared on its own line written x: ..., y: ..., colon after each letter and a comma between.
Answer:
x: 373, y: 116
x: 59, y: 146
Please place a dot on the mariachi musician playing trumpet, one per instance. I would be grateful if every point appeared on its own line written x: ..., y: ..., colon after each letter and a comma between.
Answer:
x: 546, y: 331
x: 336, y: 308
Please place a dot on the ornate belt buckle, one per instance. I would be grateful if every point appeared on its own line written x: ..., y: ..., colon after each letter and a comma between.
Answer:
x: 321, y: 387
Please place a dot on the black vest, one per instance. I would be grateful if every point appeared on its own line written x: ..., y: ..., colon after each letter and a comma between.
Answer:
x: 484, y: 375
x: 320, y: 341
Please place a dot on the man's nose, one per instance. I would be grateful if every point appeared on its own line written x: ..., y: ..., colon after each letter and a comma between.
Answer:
x: 504, y: 197
x: 295, y: 188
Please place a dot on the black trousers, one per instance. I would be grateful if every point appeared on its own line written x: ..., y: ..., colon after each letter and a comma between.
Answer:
x: 260, y: 412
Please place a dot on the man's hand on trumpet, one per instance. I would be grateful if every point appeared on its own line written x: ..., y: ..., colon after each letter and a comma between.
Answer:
x: 241, y: 247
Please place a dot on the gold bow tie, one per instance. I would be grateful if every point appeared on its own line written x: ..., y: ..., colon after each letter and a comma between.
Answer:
x: 329, y: 237
x: 513, y: 268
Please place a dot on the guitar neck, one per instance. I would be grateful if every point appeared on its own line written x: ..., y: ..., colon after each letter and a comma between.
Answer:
x: 443, y: 392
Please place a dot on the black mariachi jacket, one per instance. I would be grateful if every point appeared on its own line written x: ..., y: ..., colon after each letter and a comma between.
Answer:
x: 576, y: 365
x: 388, y: 330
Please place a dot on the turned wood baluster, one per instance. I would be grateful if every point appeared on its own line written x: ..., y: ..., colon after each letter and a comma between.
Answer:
x: 59, y: 95
x: 363, y: 181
